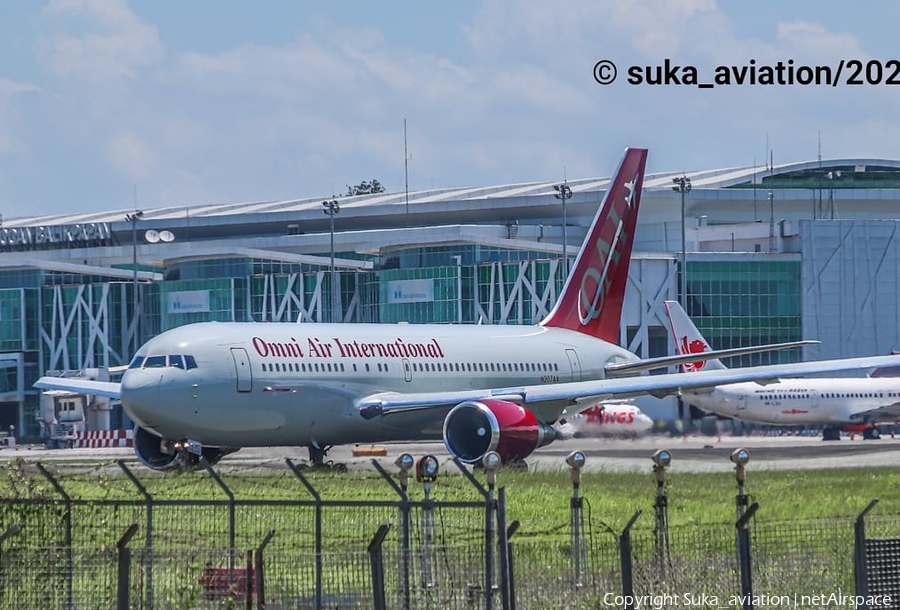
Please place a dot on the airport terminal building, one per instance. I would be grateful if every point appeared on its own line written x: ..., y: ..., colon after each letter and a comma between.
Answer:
x: 797, y: 251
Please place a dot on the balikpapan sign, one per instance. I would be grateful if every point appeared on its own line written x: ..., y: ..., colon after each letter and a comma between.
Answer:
x: 84, y: 235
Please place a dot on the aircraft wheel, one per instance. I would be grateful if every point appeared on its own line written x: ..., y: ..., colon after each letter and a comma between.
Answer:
x: 831, y: 433
x: 871, y: 434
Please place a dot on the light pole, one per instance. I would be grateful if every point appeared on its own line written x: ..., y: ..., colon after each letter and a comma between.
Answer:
x: 683, y: 185
x: 564, y: 192
x: 133, y: 218
x: 332, y: 208
x: 459, y: 307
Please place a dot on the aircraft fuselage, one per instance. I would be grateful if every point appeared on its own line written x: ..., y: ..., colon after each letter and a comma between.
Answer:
x: 800, y: 401
x: 248, y: 384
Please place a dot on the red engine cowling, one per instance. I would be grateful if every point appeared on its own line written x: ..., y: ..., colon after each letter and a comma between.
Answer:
x: 475, y: 427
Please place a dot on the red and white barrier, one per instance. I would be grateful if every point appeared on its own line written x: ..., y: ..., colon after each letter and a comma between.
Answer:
x: 94, y: 439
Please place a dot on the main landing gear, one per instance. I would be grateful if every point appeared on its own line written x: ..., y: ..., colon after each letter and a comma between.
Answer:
x: 871, y: 433
x: 831, y: 433
x: 317, y: 460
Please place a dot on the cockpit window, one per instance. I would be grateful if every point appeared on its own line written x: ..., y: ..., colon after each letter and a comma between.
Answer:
x: 155, y: 362
x: 177, y: 361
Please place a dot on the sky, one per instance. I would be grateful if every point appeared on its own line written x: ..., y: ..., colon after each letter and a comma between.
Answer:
x: 111, y: 104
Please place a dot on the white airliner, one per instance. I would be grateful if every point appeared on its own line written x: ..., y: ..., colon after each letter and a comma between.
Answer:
x: 847, y: 403
x: 210, y: 388
x: 614, y: 418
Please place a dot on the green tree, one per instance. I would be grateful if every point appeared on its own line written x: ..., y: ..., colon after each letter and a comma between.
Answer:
x: 365, y: 188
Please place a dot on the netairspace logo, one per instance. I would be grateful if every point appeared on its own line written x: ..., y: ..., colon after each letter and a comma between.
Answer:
x: 688, y: 600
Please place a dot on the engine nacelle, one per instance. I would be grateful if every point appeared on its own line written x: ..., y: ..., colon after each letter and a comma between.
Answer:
x: 163, y: 454
x: 475, y: 427
x: 154, y: 451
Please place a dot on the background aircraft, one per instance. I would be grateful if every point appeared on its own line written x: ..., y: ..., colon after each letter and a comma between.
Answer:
x: 208, y: 389
x: 614, y: 418
x: 848, y: 403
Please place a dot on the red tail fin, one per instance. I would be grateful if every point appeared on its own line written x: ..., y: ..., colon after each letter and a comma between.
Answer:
x: 591, y: 301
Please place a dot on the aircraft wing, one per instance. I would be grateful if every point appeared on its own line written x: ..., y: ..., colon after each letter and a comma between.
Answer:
x: 621, y: 369
x: 81, y: 386
x: 550, y: 400
x: 889, y: 413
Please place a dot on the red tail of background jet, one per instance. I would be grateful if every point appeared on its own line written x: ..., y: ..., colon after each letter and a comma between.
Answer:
x: 591, y: 301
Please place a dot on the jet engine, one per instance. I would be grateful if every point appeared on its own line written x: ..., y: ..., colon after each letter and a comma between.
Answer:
x: 475, y: 427
x: 163, y: 454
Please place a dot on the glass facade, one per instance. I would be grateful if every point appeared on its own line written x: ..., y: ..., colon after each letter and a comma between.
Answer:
x: 439, y: 256
x: 428, y: 294
x: 745, y: 302
x: 734, y: 302
x: 831, y: 177
x: 168, y: 305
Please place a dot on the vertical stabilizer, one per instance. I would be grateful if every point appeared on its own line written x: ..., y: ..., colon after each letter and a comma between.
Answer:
x: 591, y: 301
x: 688, y: 339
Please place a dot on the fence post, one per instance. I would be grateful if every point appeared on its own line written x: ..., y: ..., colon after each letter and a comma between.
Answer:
x: 510, y: 571
x: 123, y: 555
x: 231, y: 518
x: 318, y: 528
x: 488, y: 534
x: 744, y: 555
x: 404, y: 462
x: 259, y: 574
x: 503, y: 550
x: 376, y: 563
x: 860, y: 569
x: 148, y: 568
x: 248, y: 582
x: 11, y: 531
x: 70, y: 568
x: 626, y: 562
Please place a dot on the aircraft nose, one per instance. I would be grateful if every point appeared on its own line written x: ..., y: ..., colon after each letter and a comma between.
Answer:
x: 140, y: 394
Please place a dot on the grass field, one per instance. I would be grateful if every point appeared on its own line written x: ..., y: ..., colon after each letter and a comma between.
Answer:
x: 538, y: 499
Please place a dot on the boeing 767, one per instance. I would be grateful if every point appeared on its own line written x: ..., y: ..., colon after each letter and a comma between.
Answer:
x: 207, y: 389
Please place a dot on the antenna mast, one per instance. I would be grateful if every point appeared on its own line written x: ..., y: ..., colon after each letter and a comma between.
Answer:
x: 405, y: 167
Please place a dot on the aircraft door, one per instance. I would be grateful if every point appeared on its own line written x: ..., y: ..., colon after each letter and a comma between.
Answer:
x: 813, y: 399
x: 407, y: 370
x: 575, y: 364
x: 742, y: 403
x: 242, y: 369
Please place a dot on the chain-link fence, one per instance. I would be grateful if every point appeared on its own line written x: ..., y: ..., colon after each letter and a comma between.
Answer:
x: 158, y: 553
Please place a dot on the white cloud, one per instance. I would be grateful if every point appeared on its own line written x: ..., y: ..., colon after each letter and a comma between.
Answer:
x: 653, y: 28
x: 812, y: 41
x: 259, y: 120
x: 9, y: 111
x: 115, y: 44
x: 130, y: 156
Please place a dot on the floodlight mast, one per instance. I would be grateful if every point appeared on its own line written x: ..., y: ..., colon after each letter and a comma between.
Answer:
x: 133, y: 218
x: 331, y: 208
x: 563, y: 192
x: 683, y: 185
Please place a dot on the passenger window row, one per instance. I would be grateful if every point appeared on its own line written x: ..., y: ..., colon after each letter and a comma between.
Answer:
x: 425, y: 367
x: 492, y: 367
